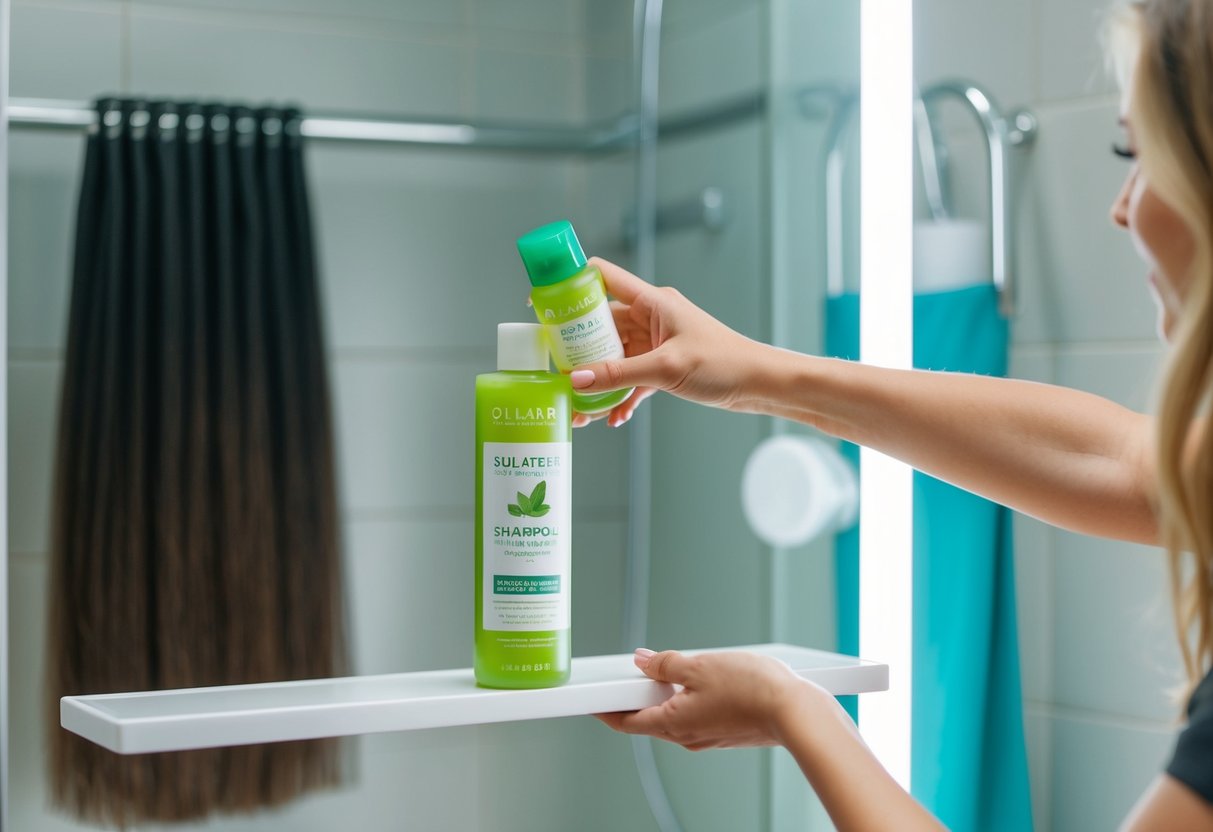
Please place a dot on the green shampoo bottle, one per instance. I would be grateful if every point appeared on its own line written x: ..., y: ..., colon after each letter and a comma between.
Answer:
x: 523, y: 516
x: 570, y: 301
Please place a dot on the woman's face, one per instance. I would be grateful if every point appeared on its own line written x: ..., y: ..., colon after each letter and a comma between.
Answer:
x: 1160, y: 236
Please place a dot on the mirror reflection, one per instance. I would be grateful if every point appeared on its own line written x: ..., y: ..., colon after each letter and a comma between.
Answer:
x: 241, y: 362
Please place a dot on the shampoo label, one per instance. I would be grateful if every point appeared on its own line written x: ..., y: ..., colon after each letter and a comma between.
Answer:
x: 585, y: 339
x: 526, y: 504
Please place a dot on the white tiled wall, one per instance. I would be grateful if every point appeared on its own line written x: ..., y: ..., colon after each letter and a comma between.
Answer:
x: 407, y: 239
x: 1097, y: 646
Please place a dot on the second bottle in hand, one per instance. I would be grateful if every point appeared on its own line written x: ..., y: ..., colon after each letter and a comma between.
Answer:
x: 570, y: 301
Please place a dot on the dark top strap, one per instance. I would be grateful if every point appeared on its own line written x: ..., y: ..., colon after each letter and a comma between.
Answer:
x: 1192, y: 762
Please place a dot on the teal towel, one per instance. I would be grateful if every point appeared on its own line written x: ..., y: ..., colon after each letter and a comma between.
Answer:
x: 969, y: 762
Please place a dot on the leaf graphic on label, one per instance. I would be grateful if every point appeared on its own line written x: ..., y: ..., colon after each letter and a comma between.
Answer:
x: 538, y: 494
x: 514, y: 510
x: 539, y: 511
x: 524, y: 503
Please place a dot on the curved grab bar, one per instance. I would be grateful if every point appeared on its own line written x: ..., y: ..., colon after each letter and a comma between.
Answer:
x: 999, y: 133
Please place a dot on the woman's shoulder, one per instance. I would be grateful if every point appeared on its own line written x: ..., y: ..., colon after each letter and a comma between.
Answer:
x: 1192, y: 761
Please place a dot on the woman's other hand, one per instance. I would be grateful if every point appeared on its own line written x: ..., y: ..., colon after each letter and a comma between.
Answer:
x: 669, y: 344
x: 728, y: 700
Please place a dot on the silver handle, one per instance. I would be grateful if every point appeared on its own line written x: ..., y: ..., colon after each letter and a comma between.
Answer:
x: 1001, y: 133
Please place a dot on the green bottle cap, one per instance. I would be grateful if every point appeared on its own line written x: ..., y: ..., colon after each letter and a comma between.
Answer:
x: 551, y: 253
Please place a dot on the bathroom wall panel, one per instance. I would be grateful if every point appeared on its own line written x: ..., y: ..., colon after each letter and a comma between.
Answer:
x: 542, y: 20
x: 608, y: 201
x: 722, y: 58
x: 981, y: 41
x: 396, y: 444
x: 1101, y: 767
x: 417, y: 245
x: 1115, y: 645
x: 825, y: 41
x: 1081, y: 280
x: 409, y: 594
x: 1038, y: 734
x: 525, y: 85
x: 90, y: 33
x: 724, y: 790
x: 43, y: 184
x: 607, y: 29
x: 609, y: 87
x: 599, y: 557
x: 1124, y: 372
x: 1069, y: 61
x: 423, y: 13
x: 27, y: 577
x: 1034, y: 560
x: 682, y: 16
x: 709, y: 572
x: 367, y: 67
x: 565, y: 774
x: 34, y: 395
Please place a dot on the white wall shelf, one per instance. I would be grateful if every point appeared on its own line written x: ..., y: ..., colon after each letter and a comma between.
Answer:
x: 177, y: 720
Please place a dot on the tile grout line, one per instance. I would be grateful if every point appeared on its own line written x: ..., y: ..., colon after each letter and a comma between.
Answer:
x: 1094, y: 346
x: 1091, y: 716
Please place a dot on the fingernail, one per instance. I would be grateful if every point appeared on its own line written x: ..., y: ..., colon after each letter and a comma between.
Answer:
x: 643, y: 655
x: 582, y: 378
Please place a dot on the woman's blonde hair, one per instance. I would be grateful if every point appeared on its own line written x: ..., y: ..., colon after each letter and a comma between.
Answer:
x: 1164, y: 51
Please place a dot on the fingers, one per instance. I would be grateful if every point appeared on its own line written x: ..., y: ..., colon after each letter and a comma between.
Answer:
x: 618, y: 415
x: 620, y: 282
x: 668, y: 666
x: 612, y: 721
x: 648, y: 369
x: 650, y: 721
x: 624, y: 410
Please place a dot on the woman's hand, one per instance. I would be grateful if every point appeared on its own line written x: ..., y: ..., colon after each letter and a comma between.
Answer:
x: 669, y: 344
x: 728, y: 700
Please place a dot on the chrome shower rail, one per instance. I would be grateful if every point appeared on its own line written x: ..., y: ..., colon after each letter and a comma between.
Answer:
x: 618, y: 133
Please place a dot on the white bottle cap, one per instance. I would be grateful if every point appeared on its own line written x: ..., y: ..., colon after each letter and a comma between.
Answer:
x: 521, y: 347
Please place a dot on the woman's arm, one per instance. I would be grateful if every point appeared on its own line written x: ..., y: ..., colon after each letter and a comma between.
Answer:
x: 732, y: 700
x: 1069, y: 458
x: 1169, y: 804
x: 855, y: 789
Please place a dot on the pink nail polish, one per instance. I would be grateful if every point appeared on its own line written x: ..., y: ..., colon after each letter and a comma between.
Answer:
x: 643, y: 655
x: 581, y: 378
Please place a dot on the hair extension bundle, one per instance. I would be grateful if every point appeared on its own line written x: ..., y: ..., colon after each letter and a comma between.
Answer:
x: 195, y: 529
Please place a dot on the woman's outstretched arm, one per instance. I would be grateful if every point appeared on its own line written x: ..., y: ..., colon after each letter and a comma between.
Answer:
x: 1070, y: 458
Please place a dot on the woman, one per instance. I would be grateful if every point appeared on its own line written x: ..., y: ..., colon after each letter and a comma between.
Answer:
x: 1066, y: 457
